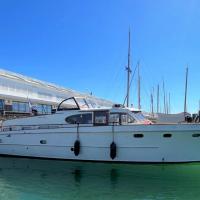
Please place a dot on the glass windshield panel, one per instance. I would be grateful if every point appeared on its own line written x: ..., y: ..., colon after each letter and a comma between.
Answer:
x: 127, y: 119
x: 123, y: 118
x: 91, y: 104
x: 130, y: 119
x: 68, y: 104
x: 82, y: 103
x: 140, y: 117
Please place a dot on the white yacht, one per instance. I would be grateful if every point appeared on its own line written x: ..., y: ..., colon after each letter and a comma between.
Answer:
x: 78, y: 131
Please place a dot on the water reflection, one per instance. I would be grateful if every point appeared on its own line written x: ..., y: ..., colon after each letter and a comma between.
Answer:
x: 49, y: 179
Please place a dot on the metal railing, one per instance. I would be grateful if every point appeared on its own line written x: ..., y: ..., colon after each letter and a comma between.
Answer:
x: 48, y: 126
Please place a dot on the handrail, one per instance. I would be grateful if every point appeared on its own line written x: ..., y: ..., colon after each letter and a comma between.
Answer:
x: 47, y: 126
x: 36, y: 127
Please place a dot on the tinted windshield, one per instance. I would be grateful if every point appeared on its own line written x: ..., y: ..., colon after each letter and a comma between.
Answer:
x: 82, y: 103
x: 139, y: 117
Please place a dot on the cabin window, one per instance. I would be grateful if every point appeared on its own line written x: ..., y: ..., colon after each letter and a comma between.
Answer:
x: 127, y: 119
x: 138, y: 135
x: 100, y: 118
x: 114, y: 118
x: 167, y: 135
x: 196, y: 135
x: 123, y: 118
x: 79, y: 119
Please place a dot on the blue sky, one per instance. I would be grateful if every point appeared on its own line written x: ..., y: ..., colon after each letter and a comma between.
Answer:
x: 82, y: 45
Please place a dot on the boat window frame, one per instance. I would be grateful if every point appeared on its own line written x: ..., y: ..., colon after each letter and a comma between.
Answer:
x: 120, y: 118
x: 114, y: 113
x: 79, y: 116
x: 107, y: 118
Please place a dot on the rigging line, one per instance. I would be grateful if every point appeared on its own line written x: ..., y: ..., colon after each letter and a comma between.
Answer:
x: 120, y: 86
x: 146, y: 84
x: 130, y: 83
x: 112, y: 81
x: 116, y: 79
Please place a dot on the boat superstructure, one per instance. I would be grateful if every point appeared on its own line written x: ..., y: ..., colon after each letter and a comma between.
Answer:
x: 79, y: 131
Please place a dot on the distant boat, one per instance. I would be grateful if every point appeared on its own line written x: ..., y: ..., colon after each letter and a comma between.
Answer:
x: 171, y: 118
x: 77, y: 131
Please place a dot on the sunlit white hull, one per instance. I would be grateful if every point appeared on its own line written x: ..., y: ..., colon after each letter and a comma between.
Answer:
x: 58, y: 143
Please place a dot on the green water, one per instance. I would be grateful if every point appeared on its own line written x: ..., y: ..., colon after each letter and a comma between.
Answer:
x: 30, y: 179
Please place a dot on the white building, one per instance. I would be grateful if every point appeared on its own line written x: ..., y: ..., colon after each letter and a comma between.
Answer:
x: 18, y: 92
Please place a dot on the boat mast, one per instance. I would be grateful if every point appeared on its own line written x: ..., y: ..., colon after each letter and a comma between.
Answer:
x: 139, y: 98
x: 169, y: 104
x: 186, y: 82
x: 164, y: 97
x: 166, y: 100
x: 128, y: 69
x: 152, y: 109
x: 158, y: 91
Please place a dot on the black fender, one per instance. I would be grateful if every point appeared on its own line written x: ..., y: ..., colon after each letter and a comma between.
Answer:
x: 113, y: 150
x: 76, y: 147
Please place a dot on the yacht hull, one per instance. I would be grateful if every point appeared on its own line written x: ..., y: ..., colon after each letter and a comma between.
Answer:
x: 134, y: 143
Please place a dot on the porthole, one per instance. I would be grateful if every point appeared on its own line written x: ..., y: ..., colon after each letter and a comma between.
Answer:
x: 43, y: 141
x: 72, y: 148
x: 167, y: 135
x: 138, y: 135
x: 196, y: 135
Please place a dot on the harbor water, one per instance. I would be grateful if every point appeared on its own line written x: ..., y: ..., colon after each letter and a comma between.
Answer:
x: 33, y: 179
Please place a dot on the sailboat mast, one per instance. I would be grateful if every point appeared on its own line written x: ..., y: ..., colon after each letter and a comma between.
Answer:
x: 152, y: 105
x: 158, y: 91
x: 128, y: 70
x: 164, y: 102
x: 169, y: 103
x: 139, y: 98
x: 186, y: 82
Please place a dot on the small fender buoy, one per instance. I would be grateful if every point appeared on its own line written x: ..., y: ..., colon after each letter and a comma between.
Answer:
x: 76, y: 147
x: 113, y: 150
